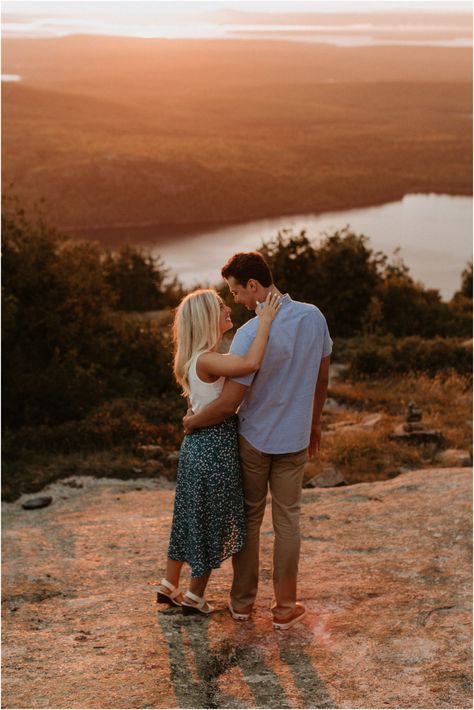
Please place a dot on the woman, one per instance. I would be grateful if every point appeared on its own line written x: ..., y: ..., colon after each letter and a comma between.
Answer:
x: 208, y: 518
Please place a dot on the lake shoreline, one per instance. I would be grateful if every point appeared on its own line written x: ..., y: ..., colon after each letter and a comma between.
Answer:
x: 168, y: 232
x: 430, y: 232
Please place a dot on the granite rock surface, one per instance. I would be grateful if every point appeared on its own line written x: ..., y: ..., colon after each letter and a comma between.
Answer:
x: 385, y: 573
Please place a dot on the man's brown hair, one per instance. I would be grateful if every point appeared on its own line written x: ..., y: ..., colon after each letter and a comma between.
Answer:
x: 248, y: 265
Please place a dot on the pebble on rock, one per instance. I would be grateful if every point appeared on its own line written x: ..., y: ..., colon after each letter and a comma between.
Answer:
x: 33, y: 503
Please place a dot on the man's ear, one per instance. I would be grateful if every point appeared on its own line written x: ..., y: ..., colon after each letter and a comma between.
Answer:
x: 253, y: 285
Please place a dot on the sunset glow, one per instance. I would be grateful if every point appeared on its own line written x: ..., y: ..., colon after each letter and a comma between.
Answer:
x: 342, y: 23
x: 151, y: 122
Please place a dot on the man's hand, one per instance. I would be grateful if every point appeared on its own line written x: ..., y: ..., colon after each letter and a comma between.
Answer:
x: 218, y: 410
x: 319, y: 399
x: 187, y: 421
x: 315, y: 440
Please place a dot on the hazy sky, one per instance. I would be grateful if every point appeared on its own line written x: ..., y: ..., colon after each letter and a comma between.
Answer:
x: 245, y: 19
x: 72, y: 7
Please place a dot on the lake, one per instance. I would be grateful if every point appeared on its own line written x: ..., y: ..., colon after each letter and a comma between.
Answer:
x: 433, y: 232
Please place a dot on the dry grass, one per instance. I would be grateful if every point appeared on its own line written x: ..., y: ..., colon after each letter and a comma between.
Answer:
x: 360, y: 455
x: 446, y: 401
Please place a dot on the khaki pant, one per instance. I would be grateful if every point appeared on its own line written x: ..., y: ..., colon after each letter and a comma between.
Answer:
x: 284, y: 474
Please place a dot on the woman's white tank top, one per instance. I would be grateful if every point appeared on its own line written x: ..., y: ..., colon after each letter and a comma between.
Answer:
x: 201, y: 393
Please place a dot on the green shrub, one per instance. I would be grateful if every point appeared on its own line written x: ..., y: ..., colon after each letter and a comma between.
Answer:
x: 65, y: 349
x: 388, y: 356
x: 137, y: 278
x: 124, y: 423
x: 338, y: 275
x: 360, y: 291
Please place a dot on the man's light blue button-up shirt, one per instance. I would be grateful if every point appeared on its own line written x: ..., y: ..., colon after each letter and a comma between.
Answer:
x: 275, y: 415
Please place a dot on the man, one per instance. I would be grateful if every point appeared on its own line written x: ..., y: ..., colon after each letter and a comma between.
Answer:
x: 279, y: 411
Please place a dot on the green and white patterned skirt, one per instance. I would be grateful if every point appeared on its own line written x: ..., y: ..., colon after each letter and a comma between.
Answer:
x: 208, y: 517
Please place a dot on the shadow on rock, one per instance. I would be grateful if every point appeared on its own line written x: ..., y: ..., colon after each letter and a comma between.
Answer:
x: 195, y: 676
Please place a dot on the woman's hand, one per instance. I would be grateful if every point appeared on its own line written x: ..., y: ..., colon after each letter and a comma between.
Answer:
x: 270, y: 308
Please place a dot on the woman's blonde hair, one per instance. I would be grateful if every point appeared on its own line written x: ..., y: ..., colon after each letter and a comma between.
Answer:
x: 195, y: 329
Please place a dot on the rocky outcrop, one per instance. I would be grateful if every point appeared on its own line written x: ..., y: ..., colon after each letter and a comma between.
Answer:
x: 384, y: 573
x: 329, y: 477
x: 367, y: 424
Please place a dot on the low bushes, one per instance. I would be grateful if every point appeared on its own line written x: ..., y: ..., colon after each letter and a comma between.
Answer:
x: 124, y: 423
x: 390, y: 356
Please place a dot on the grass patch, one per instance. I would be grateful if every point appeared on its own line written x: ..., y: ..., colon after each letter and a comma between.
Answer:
x: 107, y: 442
x: 369, y: 455
x: 446, y: 402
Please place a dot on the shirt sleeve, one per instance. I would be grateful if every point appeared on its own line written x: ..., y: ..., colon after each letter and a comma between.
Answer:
x: 239, y: 346
x: 327, y: 343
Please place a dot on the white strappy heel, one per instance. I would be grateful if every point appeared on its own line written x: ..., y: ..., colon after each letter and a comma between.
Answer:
x: 197, y: 608
x: 171, y: 598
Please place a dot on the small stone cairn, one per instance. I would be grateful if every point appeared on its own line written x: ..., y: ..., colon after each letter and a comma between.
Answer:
x: 412, y: 431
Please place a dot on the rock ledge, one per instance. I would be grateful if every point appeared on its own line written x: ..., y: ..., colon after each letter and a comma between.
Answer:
x: 384, y: 572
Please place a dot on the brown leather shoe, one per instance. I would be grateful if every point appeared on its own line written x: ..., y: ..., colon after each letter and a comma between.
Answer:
x: 288, y: 621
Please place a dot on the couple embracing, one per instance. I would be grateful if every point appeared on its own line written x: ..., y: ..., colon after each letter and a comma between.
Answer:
x: 275, y: 377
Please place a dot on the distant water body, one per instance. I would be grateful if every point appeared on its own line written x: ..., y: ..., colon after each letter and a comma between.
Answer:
x: 433, y: 232
x: 344, y: 35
